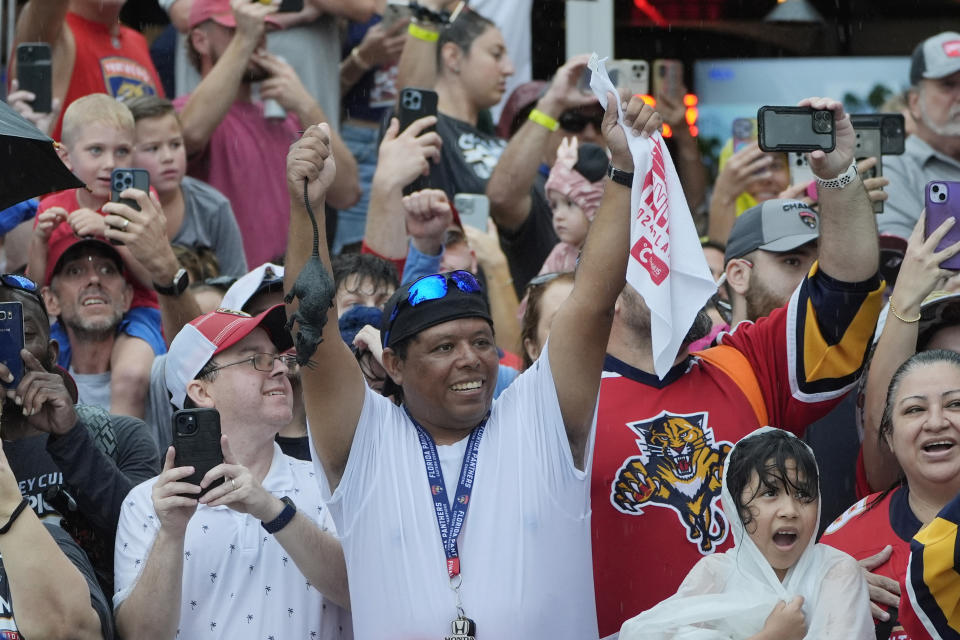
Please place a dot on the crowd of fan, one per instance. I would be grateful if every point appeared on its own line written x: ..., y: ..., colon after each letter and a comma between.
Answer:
x: 487, y: 451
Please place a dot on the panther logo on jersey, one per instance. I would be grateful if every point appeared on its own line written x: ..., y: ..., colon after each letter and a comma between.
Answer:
x: 679, y: 468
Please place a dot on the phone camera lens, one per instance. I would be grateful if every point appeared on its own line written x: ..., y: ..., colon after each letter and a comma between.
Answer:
x: 187, y: 425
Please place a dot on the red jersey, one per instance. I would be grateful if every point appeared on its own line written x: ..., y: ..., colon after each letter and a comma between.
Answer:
x: 660, y: 445
x: 118, y: 65
x: 864, y: 530
x: 142, y: 296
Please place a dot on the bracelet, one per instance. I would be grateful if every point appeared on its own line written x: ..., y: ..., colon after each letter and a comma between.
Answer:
x: 841, y: 180
x: 420, y: 33
x: 901, y: 318
x: 13, y: 517
x: 358, y: 59
x: 544, y: 120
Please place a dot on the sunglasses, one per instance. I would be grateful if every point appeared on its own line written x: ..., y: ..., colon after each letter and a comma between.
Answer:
x: 543, y: 279
x: 432, y: 287
x: 576, y: 121
x: 25, y: 284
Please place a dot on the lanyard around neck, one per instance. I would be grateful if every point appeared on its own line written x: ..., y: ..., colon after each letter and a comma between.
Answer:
x: 450, y: 521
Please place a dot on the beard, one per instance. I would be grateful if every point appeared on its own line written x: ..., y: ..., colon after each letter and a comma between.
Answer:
x: 636, y: 316
x: 761, y: 301
x: 950, y: 128
x: 94, y: 329
x: 701, y: 327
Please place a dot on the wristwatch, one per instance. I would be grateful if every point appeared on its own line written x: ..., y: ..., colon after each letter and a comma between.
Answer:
x: 179, y: 285
x: 841, y: 180
x: 282, y: 520
x: 620, y: 177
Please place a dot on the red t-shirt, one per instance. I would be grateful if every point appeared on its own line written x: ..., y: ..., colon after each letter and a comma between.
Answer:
x: 142, y: 296
x: 862, y: 532
x: 660, y: 445
x: 246, y: 160
x: 116, y: 65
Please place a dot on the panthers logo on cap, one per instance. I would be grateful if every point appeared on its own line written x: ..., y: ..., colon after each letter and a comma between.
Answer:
x: 807, y: 218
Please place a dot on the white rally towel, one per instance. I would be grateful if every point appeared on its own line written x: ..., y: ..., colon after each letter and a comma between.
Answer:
x: 666, y: 264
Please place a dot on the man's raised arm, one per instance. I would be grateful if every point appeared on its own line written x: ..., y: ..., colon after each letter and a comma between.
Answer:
x: 333, y: 386
x: 581, y: 328
x: 849, y: 245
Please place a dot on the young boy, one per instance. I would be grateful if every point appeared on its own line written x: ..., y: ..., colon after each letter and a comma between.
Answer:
x: 98, y: 134
x: 197, y: 214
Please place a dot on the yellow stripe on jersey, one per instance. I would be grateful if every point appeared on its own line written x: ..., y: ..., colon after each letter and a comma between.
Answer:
x: 823, y: 361
x: 939, y: 540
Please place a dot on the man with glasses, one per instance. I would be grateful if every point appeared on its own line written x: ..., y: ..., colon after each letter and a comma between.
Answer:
x: 188, y: 566
x: 403, y: 478
x: 933, y: 152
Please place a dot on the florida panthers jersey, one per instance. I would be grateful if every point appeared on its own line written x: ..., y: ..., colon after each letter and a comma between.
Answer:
x: 660, y: 445
x: 868, y: 526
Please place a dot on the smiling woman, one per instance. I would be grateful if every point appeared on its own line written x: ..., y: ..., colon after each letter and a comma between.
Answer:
x: 921, y: 425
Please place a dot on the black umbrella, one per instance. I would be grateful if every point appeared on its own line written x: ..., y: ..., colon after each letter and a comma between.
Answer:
x: 29, y: 164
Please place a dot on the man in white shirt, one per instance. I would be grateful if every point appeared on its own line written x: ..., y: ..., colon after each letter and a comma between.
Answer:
x: 252, y: 557
x: 404, y: 477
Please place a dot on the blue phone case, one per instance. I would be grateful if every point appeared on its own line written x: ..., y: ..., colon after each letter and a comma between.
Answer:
x: 11, y: 340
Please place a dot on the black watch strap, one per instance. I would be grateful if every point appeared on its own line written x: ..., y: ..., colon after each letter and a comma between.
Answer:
x: 282, y: 520
x: 180, y: 282
x: 620, y: 177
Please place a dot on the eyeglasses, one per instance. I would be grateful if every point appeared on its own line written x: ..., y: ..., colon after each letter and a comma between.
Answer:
x: 25, y: 284
x: 262, y: 361
x: 576, y: 121
x: 432, y: 287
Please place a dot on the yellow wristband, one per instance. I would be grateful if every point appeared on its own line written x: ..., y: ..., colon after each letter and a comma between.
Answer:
x: 420, y: 33
x: 544, y: 120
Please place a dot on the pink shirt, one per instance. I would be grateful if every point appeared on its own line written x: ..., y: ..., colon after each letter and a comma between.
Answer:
x: 246, y: 160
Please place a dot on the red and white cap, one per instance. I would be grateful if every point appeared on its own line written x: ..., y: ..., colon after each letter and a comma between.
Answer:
x: 211, y: 333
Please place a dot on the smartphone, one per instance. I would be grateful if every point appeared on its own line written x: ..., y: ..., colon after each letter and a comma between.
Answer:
x: 11, y: 340
x: 891, y: 126
x: 795, y: 129
x: 583, y: 84
x: 35, y: 74
x: 668, y: 79
x: 942, y: 202
x: 868, y: 145
x: 473, y: 209
x: 121, y: 179
x: 632, y: 75
x: 415, y: 104
x: 744, y: 132
x: 395, y: 11
x: 196, y: 441
x: 799, y: 165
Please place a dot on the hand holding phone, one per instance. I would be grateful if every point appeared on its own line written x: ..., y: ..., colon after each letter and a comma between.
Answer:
x: 196, y: 440
x: 942, y: 202
x: 123, y: 179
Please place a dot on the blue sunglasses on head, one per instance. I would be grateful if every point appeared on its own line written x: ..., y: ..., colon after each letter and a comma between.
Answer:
x: 432, y: 287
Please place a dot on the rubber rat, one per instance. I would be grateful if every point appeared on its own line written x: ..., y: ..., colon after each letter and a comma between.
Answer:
x: 315, y: 289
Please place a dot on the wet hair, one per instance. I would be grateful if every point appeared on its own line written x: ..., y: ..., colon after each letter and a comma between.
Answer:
x: 531, y: 315
x: 468, y: 26
x: 143, y: 107
x: 916, y: 361
x: 365, y: 266
x: 767, y: 454
x: 95, y: 108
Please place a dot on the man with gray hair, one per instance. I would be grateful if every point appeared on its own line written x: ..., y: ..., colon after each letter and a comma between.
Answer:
x: 933, y: 152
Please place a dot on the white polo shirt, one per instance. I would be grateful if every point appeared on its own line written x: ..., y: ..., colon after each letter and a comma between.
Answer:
x: 238, y: 582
